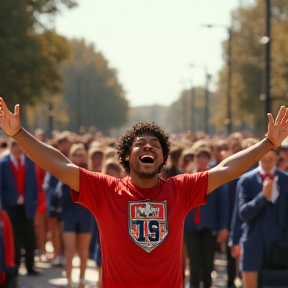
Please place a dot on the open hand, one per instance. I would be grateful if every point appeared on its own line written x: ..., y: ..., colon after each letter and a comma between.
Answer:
x: 9, y: 122
x: 278, y: 129
x: 222, y: 235
x: 236, y: 251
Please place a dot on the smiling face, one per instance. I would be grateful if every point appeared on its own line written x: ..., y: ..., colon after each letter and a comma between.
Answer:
x: 146, y: 156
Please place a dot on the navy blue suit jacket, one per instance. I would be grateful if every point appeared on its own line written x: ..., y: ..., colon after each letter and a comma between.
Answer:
x: 263, y: 221
x: 236, y: 222
x: 8, y: 188
x: 213, y: 215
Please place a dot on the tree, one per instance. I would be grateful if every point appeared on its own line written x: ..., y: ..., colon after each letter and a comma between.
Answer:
x: 248, y: 27
x: 29, y: 53
x: 92, y: 91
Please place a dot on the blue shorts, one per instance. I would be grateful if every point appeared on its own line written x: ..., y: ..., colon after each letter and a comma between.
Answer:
x: 69, y: 225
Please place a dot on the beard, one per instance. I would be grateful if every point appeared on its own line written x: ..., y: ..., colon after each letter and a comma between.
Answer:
x: 147, y: 175
x: 144, y: 173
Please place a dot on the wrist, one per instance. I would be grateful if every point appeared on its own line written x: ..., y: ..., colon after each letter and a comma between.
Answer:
x: 16, y: 132
x: 266, y: 139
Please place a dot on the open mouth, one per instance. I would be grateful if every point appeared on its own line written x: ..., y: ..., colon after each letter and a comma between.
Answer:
x: 149, y: 159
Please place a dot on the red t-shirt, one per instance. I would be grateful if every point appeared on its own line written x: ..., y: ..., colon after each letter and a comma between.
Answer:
x: 141, y: 230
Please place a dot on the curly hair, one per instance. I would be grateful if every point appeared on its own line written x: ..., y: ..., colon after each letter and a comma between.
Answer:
x: 125, y: 142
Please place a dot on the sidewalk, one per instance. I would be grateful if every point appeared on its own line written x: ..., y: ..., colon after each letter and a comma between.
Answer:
x: 53, y: 277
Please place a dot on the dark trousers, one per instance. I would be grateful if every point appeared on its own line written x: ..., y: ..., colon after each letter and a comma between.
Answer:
x: 201, y: 246
x: 231, y: 267
x: 24, y: 235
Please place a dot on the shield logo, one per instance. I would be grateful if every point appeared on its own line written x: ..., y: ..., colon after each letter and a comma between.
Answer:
x: 148, y: 223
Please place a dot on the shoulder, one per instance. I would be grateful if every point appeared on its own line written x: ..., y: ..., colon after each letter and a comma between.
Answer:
x: 189, y: 180
x: 92, y: 177
x: 5, y: 158
x: 248, y: 175
x: 281, y: 174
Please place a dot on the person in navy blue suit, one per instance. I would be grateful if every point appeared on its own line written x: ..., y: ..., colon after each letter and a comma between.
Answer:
x: 263, y: 208
x: 236, y: 222
x: 205, y: 226
x: 19, y: 199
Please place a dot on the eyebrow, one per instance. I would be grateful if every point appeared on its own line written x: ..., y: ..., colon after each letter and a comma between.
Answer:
x: 144, y: 138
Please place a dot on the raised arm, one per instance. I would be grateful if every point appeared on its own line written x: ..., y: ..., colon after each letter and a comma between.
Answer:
x: 44, y: 155
x: 237, y: 164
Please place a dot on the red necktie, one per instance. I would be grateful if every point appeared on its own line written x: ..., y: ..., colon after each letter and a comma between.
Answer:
x: 266, y: 176
x: 197, y: 215
x: 19, y: 163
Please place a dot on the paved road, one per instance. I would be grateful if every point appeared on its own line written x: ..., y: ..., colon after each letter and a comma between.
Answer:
x: 53, y: 277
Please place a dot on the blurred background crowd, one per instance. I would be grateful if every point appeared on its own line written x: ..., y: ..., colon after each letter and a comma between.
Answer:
x: 41, y: 210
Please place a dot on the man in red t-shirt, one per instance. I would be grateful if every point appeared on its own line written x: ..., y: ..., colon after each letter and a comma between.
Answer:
x: 141, y: 217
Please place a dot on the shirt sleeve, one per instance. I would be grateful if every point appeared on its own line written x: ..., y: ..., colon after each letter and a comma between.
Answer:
x: 194, y: 189
x: 93, y: 187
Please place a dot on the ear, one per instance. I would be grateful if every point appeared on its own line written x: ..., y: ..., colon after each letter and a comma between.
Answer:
x: 127, y: 158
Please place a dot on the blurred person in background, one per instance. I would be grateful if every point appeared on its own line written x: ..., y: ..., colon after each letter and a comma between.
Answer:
x: 186, y: 161
x: 172, y: 167
x: 236, y: 222
x: 41, y: 221
x: 282, y: 158
x: 263, y: 208
x: 235, y: 145
x: 95, y: 162
x: 63, y: 143
x: 220, y: 150
x: 95, y: 159
x: 18, y: 192
x: 205, y: 226
x: 4, y: 147
x: 76, y: 221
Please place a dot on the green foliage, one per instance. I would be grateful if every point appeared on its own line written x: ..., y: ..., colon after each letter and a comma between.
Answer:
x: 92, y: 91
x: 29, y: 60
x: 248, y: 62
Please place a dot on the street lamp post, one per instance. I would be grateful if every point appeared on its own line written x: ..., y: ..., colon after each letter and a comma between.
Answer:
x: 229, y: 76
x: 207, y: 96
x: 266, y: 40
x: 267, y: 60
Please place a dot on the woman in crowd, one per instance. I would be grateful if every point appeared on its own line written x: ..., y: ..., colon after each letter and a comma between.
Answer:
x: 77, y: 221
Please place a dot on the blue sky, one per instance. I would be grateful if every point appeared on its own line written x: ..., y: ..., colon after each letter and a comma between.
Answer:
x: 152, y: 43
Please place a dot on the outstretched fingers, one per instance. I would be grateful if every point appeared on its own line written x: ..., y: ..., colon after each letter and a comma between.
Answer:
x: 281, y: 115
x: 3, y: 107
x: 16, y: 110
x: 285, y: 117
x: 270, y: 118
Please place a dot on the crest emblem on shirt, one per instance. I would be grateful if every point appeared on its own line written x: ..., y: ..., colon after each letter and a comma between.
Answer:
x: 148, y: 223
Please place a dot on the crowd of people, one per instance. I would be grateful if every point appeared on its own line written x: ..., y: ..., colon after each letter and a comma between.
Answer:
x: 40, y: 207
x: 241, y: 218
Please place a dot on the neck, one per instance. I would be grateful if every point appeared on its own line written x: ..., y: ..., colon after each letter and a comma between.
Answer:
x: 17, y: 155
x: 144, y: 183
x: 267, y: 169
